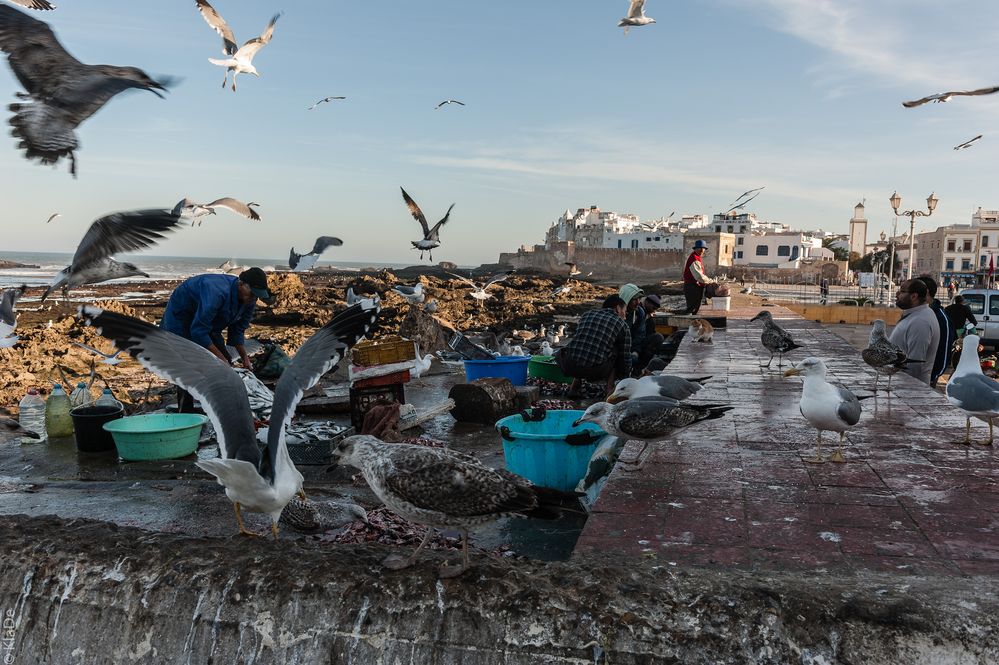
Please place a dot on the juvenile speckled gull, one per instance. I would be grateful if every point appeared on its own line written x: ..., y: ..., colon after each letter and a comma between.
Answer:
x: 885, y: 357
x: 60, y: 91
x: 431, y: 236
x: 971, y: 391
x: 443, y: 489
x: 825, y: 406
x: 263, y: 484
x: 648, y: 418
x: 775, y: 339
x: 240, y: 60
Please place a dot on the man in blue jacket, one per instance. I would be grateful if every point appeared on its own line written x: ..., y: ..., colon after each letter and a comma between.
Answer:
x: 205, y: 305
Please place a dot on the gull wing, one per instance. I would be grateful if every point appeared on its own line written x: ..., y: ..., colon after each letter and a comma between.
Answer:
x: 250, y: 48
x: 35, y: 4
x: 952, y: 93
x: 433, y: 235
x: 637, y: 9
x: 193, y: 368
x: 97, y: 351
x: 496, y: 279
x: 849, y: 408
x: 237, y: 207
x: 975, y: 393
x: 967, y: 144
x: 464, y: 279
x: 325, y: 242
x: 122, y: 232
x: 218, y: 23
x: 318, y: 355
x: 8, y: 318
x: 416, y: 212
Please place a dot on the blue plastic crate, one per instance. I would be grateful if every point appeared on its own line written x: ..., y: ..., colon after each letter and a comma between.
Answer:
x: 539, y: 451
x: 504, y: 367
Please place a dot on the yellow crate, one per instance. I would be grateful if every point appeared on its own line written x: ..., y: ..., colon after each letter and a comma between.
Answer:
x: 384, y: 351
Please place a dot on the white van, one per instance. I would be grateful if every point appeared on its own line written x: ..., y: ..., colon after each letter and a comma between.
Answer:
x: 984, y: 304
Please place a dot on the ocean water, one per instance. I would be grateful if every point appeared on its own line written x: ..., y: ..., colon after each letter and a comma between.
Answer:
x: 158, y: 267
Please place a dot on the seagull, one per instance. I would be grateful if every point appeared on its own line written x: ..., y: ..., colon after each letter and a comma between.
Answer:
x: 11, y: 430
x: 8, y: 317
x: 108, y: 358
x: 774, y: 338
x: 431, y: 236
x: 302, y: 262
x: 117, y: 232
x: 60, y: 91
x: 260, y: 484
x: 195, y: 211
x: 449, y: 101
x: 43, y: 5
x: 972, y: 391
x: 742, y: 205
x: 51, y: 217
x: 662, y: 385
x: 885, y: 357
x: 479, y: 292
x: 561, y: 290
x: 825, y: 406
x: 945, y: 96
x: 745, y: 194
x: 321, y: 515
x: 413, y: 294
x: 443, y: 489
x: 352, y: 298
x: 636, y: 16
x: 323, y: 100
x: 648, y: 418
x: 430, y: 306
x: 421, y: 365
x: 701, y: 330
x: 240, y: 61
x: 573, y: 270
x: 967, y: 144
x: 546, y: 349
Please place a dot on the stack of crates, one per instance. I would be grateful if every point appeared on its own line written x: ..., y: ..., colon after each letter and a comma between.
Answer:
x: 384, y: 388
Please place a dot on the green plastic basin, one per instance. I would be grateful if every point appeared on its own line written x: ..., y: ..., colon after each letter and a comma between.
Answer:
x: 545, y: 367
x: 156, y: 436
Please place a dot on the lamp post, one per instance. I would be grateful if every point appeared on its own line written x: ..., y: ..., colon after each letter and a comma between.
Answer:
x: 931, y: 204
x: 891, y: 266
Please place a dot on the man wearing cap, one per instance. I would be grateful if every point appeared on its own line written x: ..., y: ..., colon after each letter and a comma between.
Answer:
x: 600, y: 350
x: 694, y: 279
x: 205, y: 305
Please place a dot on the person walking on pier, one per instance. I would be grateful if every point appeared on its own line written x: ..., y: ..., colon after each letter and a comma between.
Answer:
x: 824, y: 291
x: 694, y: 279
x: 917, y: 333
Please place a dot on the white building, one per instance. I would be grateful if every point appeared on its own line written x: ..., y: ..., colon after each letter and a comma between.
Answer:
x: 986, y: 222
x: 858, y: 230
x: 779, y: 250
x: 592, y: 227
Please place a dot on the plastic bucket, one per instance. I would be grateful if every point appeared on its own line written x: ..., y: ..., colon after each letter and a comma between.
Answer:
x: 156, y: 436
x: 88, y: 426
x: 504, y: 367
x: 549, y: 452
x: 545, y: 367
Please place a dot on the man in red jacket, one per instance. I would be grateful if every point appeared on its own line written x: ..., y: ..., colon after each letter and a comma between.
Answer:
x: 694, y: 278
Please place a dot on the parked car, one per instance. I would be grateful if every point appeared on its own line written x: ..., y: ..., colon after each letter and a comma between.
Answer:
x: 984, y: 304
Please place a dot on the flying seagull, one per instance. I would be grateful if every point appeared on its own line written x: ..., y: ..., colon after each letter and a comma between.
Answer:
x: 967, y: 144
x: 303, y: 262
x: 261, y: 484
x: 745, y: 194
x: 44, y: 5
x: 195, y: 211
x: 775, y: 339
x: 431, y: 236
x: 573, y: 270
x: 240, y: 61
x: 52, y: 216
x: 636, y: 16
x: 739, y: 206
x: 107, y: 358
x: 449, y: 101
x: 945, y: 96
x: 109, y: 235
x: 825, y: 406
x: 479, y: 291
x: 60, y: 91
x: 8, y: 316
x: 971, y: 391
x: 443, y: 489
x: 324, y: 99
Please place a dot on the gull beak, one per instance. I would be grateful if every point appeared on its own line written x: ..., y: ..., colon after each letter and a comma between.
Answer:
x: 794, y: 371
x: 614, y: 398
x: 577, y: 423
x: 144, y: 274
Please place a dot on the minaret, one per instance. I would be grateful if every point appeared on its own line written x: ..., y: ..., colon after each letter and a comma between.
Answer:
x: 858, y: 230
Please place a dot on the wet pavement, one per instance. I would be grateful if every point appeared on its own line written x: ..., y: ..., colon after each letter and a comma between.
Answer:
x: 736, y: 492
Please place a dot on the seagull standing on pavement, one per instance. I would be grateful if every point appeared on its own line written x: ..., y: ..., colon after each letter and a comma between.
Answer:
x: 239, y: 60
x: 195, y: 211
x: 661, y: 385
x: 946, y: 96
x: 303, y: 262
x: 636, y: 16
x: 825, y: 406
x: 886, y: 358
x: 971, y: 391
x: 322, y: 101
x: 431, y: 236
x: 60, y: 91
x: 776, y: 340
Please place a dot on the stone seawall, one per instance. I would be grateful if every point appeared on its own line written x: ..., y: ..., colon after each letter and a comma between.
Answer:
x: 606, y: 263
x: 87, y: 592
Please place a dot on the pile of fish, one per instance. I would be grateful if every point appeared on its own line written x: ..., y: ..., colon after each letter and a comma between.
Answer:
x: 555, y: 389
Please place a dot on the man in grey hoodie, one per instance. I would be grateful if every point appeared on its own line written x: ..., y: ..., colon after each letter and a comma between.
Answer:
x: 918, y: 332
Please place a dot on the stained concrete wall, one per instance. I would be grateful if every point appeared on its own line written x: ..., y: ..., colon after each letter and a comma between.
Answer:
x: 86, y: 592
x: 606, y: 263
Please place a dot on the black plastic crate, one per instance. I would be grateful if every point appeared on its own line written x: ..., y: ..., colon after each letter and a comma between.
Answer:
x: 318, y: 453
x: 362, y: 399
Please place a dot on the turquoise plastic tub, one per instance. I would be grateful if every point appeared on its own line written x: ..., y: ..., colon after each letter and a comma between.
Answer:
x: 539, y: 451
x: 156, y: 436
x: 504, y: 367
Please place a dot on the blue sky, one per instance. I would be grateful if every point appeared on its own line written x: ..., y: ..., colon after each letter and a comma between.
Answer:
x: 563, y: 111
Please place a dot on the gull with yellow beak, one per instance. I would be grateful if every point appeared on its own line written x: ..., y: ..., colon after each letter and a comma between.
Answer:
x: 825, y: 406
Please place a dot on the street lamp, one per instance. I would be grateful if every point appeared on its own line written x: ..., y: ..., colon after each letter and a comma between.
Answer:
x: 896, y: 203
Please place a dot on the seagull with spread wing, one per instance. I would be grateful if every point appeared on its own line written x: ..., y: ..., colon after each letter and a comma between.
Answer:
x: 740, y: 206
x: 449, y: 101
x: 106, y: 358
x: 8, y: 317
x: 967, y: 144
x: 431, y: 236
x: 260, y: 484
x: 479, y: 291
x: 323, y: 101
x: 946, y: 96
x: 636, y: 16
x: 239, y: 60
x: 195, y: 211
x: 745, y: 194
x: 60, y: 91
x: 109, y: 235
x: 302, y: 262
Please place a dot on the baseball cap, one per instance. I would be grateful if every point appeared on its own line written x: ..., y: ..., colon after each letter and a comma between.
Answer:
x: 629, y: 291
x: 256, y: 279
x: 654, y: 300
x: 700, y: 244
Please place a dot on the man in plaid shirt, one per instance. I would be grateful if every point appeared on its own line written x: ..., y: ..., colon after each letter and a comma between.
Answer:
x: 600, y: 349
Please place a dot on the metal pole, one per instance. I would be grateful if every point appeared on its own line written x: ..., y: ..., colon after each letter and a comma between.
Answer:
x: 891, y: 267
x: 912, y: 240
